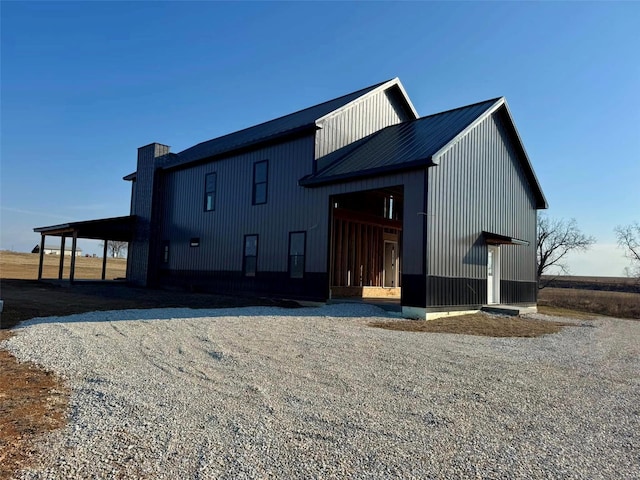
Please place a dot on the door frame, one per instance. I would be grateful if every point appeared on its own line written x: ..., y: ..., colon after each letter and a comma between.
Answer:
x: 394, y: 264
x: 493, y: 274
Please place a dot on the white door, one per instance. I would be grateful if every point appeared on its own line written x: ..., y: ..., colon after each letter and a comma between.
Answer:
x: 493, y: 274
x: 390, y: 264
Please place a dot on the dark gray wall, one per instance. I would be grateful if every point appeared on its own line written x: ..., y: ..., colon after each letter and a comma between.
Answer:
x: 289, y: 208
x: 479, y: 185
x: 363, y: 117
x: 142, y: 207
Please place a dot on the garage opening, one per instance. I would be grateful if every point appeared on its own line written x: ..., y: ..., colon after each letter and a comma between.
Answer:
x: 366, y: 244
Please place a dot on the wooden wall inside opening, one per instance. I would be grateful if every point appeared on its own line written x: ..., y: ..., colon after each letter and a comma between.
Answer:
x: 358, y: 248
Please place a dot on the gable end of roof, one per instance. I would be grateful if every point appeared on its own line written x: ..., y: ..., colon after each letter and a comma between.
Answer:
x: 389, y: 84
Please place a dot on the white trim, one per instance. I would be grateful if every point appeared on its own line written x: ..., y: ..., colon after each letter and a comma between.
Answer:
x: 493, y: 289
x: 384, y: 86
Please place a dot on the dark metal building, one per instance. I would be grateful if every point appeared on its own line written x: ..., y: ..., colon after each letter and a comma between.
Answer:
x: 355, y: 196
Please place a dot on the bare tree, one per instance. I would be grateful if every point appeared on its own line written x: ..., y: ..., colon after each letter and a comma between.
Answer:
x: 629, y: 240
x: 115, y: 247
x: 556, y: 238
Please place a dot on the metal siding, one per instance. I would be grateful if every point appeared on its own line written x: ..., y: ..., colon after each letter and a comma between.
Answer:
x: 289, y: 208
x: 364, y: 117
x: 138, y: 255
x: 396, y: 145
x: 480, y: 185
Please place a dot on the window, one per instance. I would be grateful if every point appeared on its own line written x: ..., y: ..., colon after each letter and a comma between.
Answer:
x: 260, y: 177
x: 297, y: 247
x: 210, y: 181
x: 250, y: 262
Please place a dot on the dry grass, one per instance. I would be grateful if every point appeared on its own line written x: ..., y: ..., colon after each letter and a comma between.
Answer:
x: 32, y: 402
x: 617, y: 284
x: 565, y: 312
x: 25, y: 266
x: 479, y: 324
x: 611, y: 304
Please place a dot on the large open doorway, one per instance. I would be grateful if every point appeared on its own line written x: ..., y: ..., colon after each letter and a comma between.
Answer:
x: 366, y: 244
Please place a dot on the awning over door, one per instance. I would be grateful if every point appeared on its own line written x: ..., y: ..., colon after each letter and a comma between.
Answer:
x: 496, y: 239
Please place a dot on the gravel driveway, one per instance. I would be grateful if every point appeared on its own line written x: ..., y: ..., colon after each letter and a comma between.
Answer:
x: 262, y: 392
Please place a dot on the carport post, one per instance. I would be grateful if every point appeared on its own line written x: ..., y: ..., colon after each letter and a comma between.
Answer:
x: 61, y: 257
x: 41, y: 256
x: 73, y: 256
x: 104, y: 260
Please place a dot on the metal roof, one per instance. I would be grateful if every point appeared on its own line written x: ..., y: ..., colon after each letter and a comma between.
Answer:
x: 67, y: 248
x: 404, y: 145
x: 301, y: 120
x: 116, y: 228
x: 414, y: 144
x: 298, y: 122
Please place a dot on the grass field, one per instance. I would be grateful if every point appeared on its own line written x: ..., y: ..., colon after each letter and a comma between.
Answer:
x: 602, y: 302
x: 24, y: 266
x: 612, y: 284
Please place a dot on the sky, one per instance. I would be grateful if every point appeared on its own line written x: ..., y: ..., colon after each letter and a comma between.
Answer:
x: 83, y: 85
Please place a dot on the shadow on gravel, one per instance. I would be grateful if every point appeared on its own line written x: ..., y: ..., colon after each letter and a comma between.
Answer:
x: 169, y: 313
x: 26, y: 299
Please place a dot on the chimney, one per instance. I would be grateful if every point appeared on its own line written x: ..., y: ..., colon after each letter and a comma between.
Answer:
x: 142, y: 207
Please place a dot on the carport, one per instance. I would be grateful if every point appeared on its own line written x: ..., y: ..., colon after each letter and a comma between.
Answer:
x: 105, y: 229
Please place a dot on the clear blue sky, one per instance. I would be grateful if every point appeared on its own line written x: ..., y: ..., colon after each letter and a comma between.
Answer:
x: 85, y: 84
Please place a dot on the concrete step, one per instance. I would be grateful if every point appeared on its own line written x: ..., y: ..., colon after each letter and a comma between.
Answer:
x: 512, y: 310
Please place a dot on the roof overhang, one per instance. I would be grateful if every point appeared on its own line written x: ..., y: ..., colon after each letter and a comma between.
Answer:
x: 496, y: 239
x: 250, y: 146
x: 318, y: 181
x: 116, y: 228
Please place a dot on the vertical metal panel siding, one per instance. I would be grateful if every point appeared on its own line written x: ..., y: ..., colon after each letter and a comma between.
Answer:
x: 359, y: 120
x: 137, y: 262
x: 480, y: 185
x: 289, y: 208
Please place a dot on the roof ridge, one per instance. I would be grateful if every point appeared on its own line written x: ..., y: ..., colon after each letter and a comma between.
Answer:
x: 370, y: 87
x: 492, y: 100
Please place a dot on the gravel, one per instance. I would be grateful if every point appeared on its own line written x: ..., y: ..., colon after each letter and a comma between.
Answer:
x: 263, y: 392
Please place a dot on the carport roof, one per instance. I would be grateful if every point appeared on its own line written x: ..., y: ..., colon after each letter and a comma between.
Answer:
x: 116, y: 228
